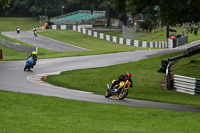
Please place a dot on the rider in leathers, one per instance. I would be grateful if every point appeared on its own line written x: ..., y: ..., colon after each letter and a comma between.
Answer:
x: 34, y: 55
x: 125, y: 77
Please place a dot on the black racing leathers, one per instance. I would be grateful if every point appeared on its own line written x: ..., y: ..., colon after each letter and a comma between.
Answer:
x: 121, y: 78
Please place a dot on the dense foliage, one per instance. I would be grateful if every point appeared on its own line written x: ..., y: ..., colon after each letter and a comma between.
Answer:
x: 24, y: 8
x: 179, y: 11
x: 4, y: 3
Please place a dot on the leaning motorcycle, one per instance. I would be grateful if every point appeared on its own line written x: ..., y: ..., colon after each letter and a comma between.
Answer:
x: 120, y: 90
x: 29, y: 64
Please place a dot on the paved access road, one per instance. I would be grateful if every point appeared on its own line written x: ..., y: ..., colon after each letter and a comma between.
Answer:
x: 42, y: 42
x: 13, y: 78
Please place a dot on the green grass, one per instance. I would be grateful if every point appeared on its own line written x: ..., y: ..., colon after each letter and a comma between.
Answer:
x: 10, y: 23
x: 188, y: 66
x: 14, y: 40
x: 146, y: 81
x: 11, y: 54
x: 85, y: 41
x: 96, y: 46
x: 159, y: 35
x: 27, y: 113
x: 192, y: 38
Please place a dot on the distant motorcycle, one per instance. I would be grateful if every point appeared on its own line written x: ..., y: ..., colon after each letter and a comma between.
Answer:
x: 18, y: 30
x: 120, y: 90
x: 29, y: 64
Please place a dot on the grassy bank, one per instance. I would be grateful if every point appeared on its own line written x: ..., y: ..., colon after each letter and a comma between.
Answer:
x: 22, y: 113
x: 95, y: 46
x: 11, y: 54
x: 188, y: 66
x: 10, y: 23
x: 85, y: 41
x: 159, y: 35
x: 146, y: 81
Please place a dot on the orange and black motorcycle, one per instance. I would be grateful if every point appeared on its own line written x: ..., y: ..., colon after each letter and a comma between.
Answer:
x: 120, y: 90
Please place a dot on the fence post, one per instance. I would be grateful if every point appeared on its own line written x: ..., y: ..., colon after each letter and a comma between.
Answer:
x: 36, y: 50
x: 169, y: 76
x: 1, y: 54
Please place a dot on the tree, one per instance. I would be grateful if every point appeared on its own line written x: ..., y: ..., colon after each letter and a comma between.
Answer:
x: 36, y: 7
x: 193, y: 10
x: 120, y: 7
x: 107, y: 4
x: 179, y: 11
x: 150, y: 17
x: 5, y: 3
x: 145, y: 11
x: 173, y: 12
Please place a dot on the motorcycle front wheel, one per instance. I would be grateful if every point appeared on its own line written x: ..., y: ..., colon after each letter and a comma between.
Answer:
x: 107, y: 94
x: 123, y: 94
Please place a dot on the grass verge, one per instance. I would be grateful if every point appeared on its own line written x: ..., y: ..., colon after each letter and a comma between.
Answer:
x: 96, y: 46
x: 159, y: 35
x: 10, y: 23
x: 22, y: 113
x: 11, y: 54
x: 85, y: 41
x: 146, y: 81
x: 188, y: 66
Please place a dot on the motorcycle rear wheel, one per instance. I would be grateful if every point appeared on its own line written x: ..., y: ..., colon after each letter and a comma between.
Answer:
x: 123, y: 94
x: 107, y: 94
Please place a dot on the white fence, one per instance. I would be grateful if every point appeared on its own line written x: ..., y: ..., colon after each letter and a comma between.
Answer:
x: 136, y: 43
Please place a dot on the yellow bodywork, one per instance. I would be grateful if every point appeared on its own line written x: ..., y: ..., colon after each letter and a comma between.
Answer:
x: 121, y: 84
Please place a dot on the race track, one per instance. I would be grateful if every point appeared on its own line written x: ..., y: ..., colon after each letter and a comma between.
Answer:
x: 13, y: 78
x: 42, y: 42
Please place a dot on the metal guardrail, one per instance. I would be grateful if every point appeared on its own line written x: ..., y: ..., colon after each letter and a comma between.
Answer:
x: 17, y: 46
x: 182, y: 40
x: 187, y: 84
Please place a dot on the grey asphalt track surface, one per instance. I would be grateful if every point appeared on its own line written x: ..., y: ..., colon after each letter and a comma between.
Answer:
x: 42, y: 42
x: 14, y: 79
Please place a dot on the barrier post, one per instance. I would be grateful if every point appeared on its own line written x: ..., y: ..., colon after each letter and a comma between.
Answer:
x: 1, y: 54
x: 36, y: 50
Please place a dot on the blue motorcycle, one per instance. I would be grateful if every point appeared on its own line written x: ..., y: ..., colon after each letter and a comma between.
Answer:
x: 29, y: 63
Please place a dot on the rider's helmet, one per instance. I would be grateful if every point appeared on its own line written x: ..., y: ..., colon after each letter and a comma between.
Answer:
x: 128, y: 75
x: 33, y: 53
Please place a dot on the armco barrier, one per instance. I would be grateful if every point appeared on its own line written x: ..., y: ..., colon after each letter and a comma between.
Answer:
x: 190, y: 51
x: 17, y: 46
x: 187, y: 84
